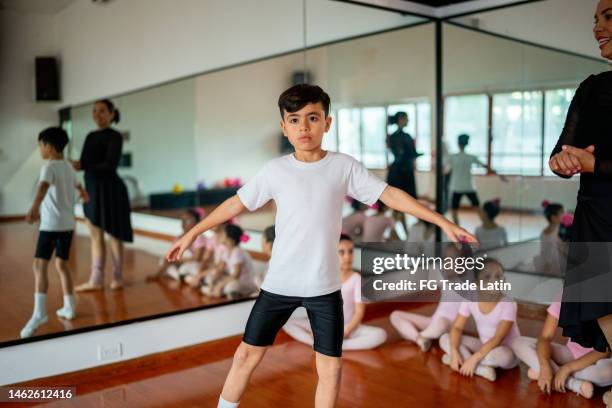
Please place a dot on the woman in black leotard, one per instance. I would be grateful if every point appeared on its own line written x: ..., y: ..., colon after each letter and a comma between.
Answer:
x: 585, y: 147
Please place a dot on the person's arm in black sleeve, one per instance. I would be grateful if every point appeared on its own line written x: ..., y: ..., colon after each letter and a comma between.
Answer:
x: 112, y: 157
x: 603, y: 168
x: 569, y: 134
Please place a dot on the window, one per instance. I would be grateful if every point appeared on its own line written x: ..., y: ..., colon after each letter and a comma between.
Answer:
x: 362, y: 133
x: 516, y: 146
x: 467, y: 114
x: 556, y: 105
x: 524, y: 127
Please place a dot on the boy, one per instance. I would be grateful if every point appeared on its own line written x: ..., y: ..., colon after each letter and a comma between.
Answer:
x: 461, y: 176
x: 53, y: 206
x: 308, y: 188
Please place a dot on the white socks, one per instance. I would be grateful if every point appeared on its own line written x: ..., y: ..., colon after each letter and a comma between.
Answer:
x: 226, y: 404
x: 39, y: 316
x: 68, y: 311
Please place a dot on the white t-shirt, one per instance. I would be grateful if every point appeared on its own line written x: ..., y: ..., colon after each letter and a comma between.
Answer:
x: 57, y: 208
x: 309, y: 199
x: 461, y: 168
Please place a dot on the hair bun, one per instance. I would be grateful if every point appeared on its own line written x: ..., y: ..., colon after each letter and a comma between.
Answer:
x: 567, y: 220
x: 545, y: 203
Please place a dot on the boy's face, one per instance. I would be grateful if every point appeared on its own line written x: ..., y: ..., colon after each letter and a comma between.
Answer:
x: 345, y: 253
x: 306, y: 127
x: 45, y: 150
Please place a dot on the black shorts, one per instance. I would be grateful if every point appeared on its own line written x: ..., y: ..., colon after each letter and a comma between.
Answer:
x: 471, y: 195
x: 48, y: 241
x: 271, y: 312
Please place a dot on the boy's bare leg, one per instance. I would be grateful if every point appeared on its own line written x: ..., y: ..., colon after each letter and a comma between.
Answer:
x: 41, y: 282
x: 246, y: 359
x: 61, y: 266
x: 329, y: 370
x: 68, y: 311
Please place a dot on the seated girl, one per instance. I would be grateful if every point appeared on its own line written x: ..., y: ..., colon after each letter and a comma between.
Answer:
x: 559, y: 367
x: 422, y: 329
x: 490, y: 234
x: 495, y: 317
x: 236, y: 280
x: 190, y: 264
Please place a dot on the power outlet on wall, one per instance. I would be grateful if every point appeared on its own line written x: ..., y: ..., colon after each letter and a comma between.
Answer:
x: 109, y: 352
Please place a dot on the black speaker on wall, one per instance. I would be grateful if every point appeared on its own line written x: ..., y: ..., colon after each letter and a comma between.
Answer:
x: 47, y: 79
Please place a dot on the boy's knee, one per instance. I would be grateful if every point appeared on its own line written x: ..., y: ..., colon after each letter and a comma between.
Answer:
x: 329, y: 368
x: 38, y: 266
x: 61, y: 265
x: 247, y: 356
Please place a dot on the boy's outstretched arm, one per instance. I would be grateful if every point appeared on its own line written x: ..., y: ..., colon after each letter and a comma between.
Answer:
x: 83, y: 195
x: 34, y: 212
x: 399, y: 200
x: 227, y: 210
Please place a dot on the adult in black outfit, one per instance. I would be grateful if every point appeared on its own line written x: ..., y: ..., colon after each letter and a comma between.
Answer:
x: 401, y: 171
x: 585, y: 147
x: 109, y: 208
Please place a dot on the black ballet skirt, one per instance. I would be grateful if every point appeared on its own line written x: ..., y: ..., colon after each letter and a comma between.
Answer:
x: 109, y: 204
x: 588, y: 123
x: 401, y: 171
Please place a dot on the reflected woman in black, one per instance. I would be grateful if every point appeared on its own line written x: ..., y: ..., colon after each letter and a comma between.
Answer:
x: 108, y: 210
x: 401, y: 171
x: 585, y: 147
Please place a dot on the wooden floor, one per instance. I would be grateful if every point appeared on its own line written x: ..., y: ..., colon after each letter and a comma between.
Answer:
x: 138, y: 298
x: 397, y: 374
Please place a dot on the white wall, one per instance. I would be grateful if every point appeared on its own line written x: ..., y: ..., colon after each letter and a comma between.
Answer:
x: 22, y: 38
x: 105, y: 53
x: 563, y: 24
x: 160, y: 122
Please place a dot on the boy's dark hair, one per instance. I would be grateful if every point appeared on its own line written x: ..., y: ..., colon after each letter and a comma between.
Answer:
x: 492, y: 209
x: 552, y: 209
x: 463, y: 139
x: 298, y: 96
x: 344, y: 237
x: 111, y: 108
x: 54, y: 136
x: 270, y: 234
x: 234, y: 233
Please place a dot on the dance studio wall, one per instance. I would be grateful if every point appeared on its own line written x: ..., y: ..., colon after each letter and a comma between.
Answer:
x: 22, y: 38
x: 237, y: 119
x: 475, y: 62
x: 126, y: 45
x: 160, y: 122
x: 555, y: 23
x: 110, y: 49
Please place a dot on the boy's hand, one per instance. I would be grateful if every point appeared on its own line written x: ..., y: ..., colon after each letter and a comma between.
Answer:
x: 181, y: 245
x: 33, y: 215
x: 76, y: 164
x: 458, y: 234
